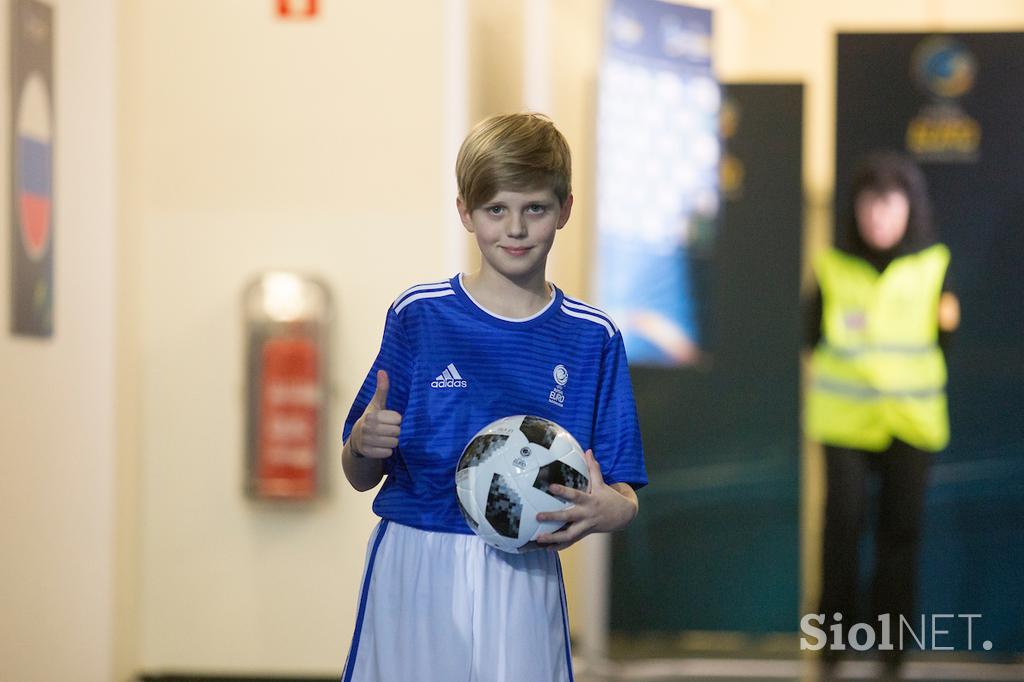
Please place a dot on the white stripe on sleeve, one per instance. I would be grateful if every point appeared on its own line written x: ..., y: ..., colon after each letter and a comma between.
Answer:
x: 592, y: 318
x: 423, y: 295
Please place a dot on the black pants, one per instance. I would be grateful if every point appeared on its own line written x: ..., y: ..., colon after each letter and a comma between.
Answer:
x: 903, y: 472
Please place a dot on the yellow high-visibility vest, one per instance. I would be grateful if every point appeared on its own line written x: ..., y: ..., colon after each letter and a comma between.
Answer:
x: 878, y: 372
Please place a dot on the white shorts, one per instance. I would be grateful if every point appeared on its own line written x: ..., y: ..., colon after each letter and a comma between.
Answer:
x: 445, y: 607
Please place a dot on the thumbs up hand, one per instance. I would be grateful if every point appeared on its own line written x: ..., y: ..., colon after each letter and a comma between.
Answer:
x: 375, y: 434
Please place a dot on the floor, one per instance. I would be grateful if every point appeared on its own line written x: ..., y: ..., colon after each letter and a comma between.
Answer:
x: 775, y: 670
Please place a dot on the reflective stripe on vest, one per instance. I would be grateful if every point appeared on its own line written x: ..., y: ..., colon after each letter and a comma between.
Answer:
x: 878, y: 372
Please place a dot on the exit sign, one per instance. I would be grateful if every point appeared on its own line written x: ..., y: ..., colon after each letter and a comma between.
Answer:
x: 297, y: 9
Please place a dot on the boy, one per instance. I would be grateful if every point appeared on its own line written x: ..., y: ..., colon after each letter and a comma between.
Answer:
x: 437, y: 604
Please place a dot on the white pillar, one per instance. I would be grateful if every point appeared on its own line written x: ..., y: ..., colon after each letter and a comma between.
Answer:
x: 592, y: 632
x: 455, y: 126
x: 536, y: 56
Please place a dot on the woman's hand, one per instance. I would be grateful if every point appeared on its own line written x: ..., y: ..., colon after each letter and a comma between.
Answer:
x: 949, y: 312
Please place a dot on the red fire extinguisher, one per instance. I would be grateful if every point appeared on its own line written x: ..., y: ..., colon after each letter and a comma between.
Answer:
x: 287, y: 320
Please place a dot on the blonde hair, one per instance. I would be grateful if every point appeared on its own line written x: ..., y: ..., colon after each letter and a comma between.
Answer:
x: 516, y: 152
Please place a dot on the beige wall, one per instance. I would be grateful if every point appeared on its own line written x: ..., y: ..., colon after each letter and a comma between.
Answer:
x: 57, y: 395
x: 258, y: 144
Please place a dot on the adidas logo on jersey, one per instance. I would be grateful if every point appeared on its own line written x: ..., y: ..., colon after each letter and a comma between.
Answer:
x: 449, y: 378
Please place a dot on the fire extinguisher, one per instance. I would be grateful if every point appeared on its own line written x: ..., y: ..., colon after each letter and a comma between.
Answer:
x: 287, y: 326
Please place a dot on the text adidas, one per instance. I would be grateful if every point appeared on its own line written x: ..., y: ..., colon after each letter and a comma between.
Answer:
x: 448, y: 383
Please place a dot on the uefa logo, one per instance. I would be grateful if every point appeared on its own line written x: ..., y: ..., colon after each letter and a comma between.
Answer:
x: 944, y: 67
x: 561, y: 375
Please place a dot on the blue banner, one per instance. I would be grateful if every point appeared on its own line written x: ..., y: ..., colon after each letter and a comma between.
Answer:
x: 657, y: 180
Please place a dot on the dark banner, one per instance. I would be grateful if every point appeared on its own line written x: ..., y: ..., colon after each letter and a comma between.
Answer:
x: 31, y: 142
x: 716, y: 544
x: 955, y: 102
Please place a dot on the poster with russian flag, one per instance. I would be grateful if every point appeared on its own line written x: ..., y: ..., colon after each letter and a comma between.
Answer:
x: 31, y: 168
x: 657, y: 179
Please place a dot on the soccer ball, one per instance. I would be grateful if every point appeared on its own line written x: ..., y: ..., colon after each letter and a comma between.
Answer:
x: 503, y: 476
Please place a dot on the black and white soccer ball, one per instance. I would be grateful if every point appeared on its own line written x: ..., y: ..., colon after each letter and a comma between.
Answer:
x: 503, y: 476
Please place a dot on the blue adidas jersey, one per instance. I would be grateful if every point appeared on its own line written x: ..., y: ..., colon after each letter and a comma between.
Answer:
x: 454, y: 368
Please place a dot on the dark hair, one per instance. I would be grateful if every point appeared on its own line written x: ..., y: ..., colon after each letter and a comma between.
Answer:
x: 885, y: 171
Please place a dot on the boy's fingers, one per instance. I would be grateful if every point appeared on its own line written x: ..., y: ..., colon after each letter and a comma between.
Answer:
x: 566, y: 493
x: 378, y: 441
x: 374, y: 452
x: 569, y: 533
x: 570, y: 514
x: 389, y: 417
x: 594, y: 468
x: 380, y: 396
x: 384, y: 429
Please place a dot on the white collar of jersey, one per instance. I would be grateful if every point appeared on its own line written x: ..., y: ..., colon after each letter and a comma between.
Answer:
x: 554, y: 293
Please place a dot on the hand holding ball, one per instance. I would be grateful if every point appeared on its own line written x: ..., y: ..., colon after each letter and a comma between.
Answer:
x: 503, y: 477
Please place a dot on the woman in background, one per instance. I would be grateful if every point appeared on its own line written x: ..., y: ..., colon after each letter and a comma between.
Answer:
x: 877, y: 400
